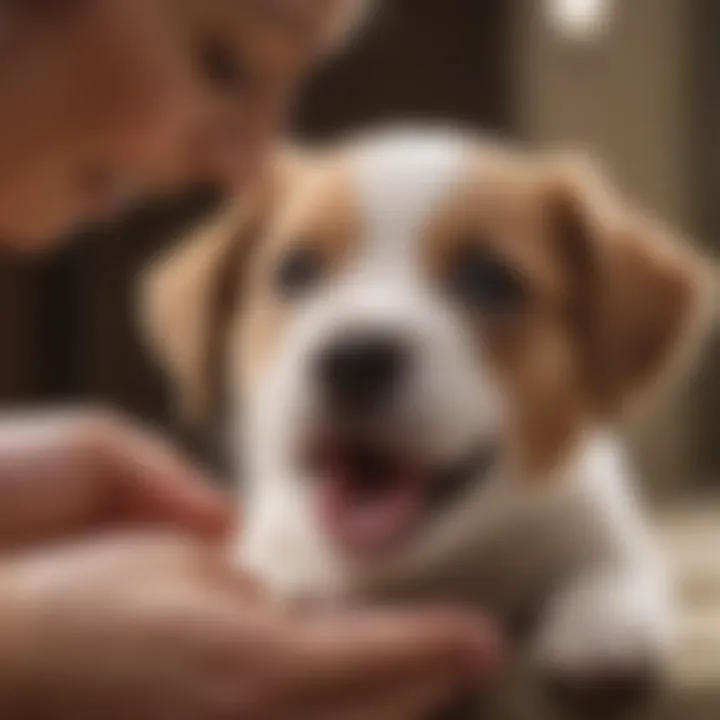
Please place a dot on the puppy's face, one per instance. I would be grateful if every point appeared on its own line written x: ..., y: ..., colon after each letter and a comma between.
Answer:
x: 420, y: 318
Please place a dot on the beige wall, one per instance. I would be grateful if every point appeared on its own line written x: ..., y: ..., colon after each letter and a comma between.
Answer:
x: 622, y: 97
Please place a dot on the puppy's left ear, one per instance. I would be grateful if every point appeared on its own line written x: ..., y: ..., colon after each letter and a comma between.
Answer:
x: 180, y: 297
x: 639, y: 297
x: 187, y: 296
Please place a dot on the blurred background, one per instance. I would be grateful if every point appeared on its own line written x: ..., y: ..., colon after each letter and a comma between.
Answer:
x: 635, y: 82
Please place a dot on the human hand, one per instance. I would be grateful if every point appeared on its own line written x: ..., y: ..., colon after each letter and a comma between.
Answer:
x: 162, y: 628
x: 69, y: 473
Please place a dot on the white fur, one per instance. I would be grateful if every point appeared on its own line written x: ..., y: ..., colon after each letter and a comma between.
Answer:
x: 509, y: 539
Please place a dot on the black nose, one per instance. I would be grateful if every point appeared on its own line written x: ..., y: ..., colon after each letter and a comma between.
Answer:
x: 360, y: 371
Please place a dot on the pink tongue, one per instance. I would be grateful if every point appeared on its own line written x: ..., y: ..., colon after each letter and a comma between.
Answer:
x: 367, y: 522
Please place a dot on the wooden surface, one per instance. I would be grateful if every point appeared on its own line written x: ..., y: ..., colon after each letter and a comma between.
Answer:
x: 691, y: 538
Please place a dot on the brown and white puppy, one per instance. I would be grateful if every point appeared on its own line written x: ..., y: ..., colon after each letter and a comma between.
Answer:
x: 428, y: 342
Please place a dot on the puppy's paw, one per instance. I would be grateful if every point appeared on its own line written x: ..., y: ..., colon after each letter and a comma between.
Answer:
x: 602, y: 649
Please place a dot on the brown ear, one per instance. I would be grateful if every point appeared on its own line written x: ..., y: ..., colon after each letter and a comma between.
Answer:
x: 178, y: 300
x: 638, y: 295
x: 187, y: 297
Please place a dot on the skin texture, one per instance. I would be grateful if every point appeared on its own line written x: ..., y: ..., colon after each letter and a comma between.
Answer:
x: 87, y: 125
x: 116, y: 599
x: 158, y: 627
x: 68, y: 473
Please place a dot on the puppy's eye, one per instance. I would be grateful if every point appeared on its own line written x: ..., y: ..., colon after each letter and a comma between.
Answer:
x: 479, y: 281
x: 299, y: 271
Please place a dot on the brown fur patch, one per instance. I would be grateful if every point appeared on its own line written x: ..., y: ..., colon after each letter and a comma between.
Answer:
x: 608, y: 295
x: 534, y: 361
x: 188, y: 295
x: 320, y: 214
x: 175, y: 299
x: 640, y: 295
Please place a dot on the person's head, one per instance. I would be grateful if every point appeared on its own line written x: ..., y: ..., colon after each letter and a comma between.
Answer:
x: 102, y: 100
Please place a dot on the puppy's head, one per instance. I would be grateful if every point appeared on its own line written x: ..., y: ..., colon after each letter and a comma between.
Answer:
x: 418, y: 316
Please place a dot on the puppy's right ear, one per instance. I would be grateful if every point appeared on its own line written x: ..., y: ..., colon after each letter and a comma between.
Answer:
x: 182, y: 292
x: 188, y: 295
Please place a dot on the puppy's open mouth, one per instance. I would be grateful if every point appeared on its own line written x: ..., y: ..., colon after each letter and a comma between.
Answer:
x: 372, y: 495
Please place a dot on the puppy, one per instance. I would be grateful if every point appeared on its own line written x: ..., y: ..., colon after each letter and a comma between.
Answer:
x: 425, y: 342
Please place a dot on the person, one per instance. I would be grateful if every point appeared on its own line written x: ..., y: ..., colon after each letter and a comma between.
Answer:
x: 116, y: 599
